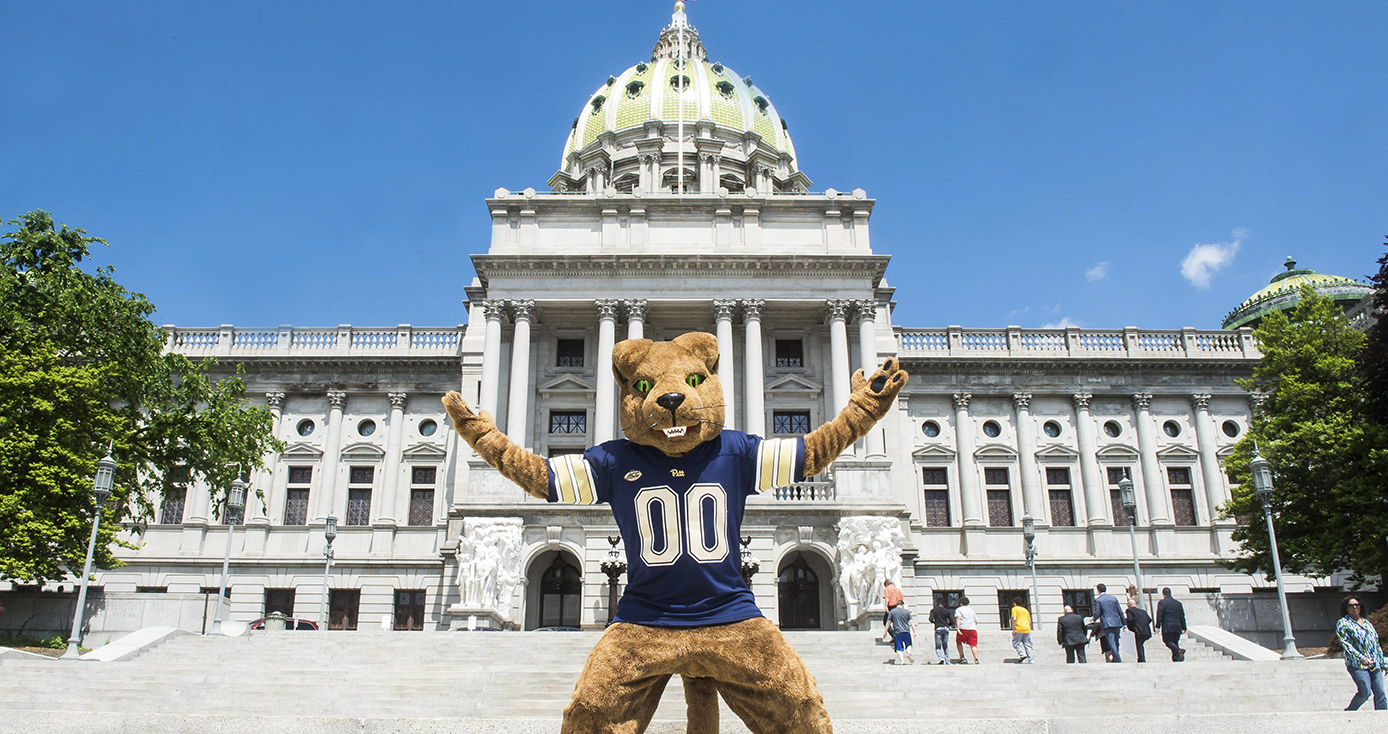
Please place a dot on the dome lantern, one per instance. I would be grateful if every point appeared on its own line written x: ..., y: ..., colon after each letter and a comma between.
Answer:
x: 1283, y: 292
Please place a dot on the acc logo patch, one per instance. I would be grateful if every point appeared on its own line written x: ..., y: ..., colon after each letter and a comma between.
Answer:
x: 632, y: 475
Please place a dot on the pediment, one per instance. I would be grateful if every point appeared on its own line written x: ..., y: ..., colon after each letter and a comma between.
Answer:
x: 995, y: 451
x: 424, y: 452
x: 567, y: 385
x: 363, y: 452
x: 1178, y: 452
x: 934, y: 452
x: 1057, y: 452
x: 1117, y: 452
x: 793, y: 384
x: 303, y: 451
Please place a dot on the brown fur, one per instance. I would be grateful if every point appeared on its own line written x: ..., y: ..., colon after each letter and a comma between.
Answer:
x: 749, y: 663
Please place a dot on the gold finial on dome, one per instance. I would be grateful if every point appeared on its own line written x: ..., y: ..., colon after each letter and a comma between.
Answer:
x: 679, y: 6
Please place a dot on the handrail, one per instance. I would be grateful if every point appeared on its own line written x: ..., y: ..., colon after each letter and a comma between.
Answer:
x: 1130, y: 342
x: 343, y: 341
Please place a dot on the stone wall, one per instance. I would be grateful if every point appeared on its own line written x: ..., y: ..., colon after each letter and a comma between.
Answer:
x: 1257, y: 617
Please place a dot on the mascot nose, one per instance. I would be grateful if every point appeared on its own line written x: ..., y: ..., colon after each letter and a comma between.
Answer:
x: 670, y: 400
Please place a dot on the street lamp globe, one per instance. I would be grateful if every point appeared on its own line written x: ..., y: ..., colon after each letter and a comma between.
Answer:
x: 330, y: 531
x: 1128, y: 497
x: 1262, y: 477
x: 105, y: 478
x: 1028, y: 528
x: 236, y: 500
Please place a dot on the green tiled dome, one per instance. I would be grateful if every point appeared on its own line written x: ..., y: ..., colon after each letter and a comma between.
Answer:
x: 1284, y: 291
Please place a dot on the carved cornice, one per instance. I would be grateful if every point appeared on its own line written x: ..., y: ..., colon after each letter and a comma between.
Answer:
x: 397, y: 399
x: 751, y: 308
x: 1200, y: 401
x: 495, y: 309
x: 337, y: 399
x: 724, y: 308
x: 523, y: 309
x: 680, y: 266
x: 1021, y: 401
x: 1081, y: 400
x: 607, y: 308
x: 635, y: 308
x: 1142, y: 401
x: 961, y: 400
x: 275, y: 400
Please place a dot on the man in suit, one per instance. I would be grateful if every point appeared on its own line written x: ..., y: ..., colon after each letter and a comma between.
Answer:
x: 1140, y: 624
x: 1071, y: 634
x: 1110, y: 614
x: 1171, y: 620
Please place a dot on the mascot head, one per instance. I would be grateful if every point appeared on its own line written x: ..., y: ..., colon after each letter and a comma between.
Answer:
x: 671, y: 397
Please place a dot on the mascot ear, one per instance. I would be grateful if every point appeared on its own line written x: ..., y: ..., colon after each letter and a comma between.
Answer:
x: 701, y: 345
x: 625, y: 356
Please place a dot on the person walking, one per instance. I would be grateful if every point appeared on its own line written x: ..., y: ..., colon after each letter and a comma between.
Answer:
x: 941, y: 618
x: 966, y: 621
x: 1171, y: 620
x: 891, y: 596
x: 902, y: 628
x: 1140, y: 624
x: 1110, y: 615
x: 1021, y: 631
x: 1071, y: 634
x: 1363, y: 655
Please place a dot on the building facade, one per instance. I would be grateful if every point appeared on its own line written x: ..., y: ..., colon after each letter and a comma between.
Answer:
x: 679, y: 206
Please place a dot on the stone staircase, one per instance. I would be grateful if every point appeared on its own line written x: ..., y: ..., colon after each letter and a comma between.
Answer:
x: 530, y: 675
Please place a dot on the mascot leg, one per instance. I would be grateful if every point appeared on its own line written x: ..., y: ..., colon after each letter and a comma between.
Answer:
x: 621, y: 683
x: 761, y: 677
x: 701, y: 705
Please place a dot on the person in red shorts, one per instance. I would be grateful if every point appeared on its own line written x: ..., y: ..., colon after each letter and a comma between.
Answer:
x: 966, y: 619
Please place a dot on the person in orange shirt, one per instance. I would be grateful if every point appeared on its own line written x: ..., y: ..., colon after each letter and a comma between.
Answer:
x: 891, y: 594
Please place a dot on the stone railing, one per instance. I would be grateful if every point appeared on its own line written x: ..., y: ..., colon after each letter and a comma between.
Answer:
x: 288, y: 341
x: 1124, y: 343
x: 807, y: 491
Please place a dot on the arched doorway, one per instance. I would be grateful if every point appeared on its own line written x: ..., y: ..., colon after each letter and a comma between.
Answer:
x: 560, y: 602
x: 797, y: 591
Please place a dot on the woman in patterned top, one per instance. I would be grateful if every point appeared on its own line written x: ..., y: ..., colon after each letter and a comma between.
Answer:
x: 1363, y: 656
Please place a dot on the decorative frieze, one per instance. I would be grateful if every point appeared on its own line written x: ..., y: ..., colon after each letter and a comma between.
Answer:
x: 869, y: 553
x: 489, y: 563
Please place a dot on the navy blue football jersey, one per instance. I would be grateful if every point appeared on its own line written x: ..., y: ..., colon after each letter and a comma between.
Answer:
x: 681, y: 519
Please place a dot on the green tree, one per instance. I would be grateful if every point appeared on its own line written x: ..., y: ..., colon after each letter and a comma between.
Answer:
x: 1329, y: 459
x: 1373, y: 359
x: 82, y: 368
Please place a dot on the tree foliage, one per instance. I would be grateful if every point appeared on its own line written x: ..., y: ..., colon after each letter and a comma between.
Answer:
x: 1329, y: 458
x: 82, y: 368
x: 1373, y: 360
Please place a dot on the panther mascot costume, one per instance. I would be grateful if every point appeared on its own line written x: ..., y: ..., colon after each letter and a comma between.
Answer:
x: 677, y: 485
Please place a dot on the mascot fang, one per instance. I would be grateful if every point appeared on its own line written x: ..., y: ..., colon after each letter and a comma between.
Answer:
x: 677, y: 485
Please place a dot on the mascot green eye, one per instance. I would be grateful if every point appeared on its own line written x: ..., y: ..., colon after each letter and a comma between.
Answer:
x: 694, y: 380
x: 643, y: 386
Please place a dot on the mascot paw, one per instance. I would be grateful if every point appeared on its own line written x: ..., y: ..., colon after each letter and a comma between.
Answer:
x: 876, y: 394
x: 470, y: 424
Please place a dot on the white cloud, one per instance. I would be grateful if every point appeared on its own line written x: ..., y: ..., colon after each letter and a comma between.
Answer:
x: 1204, y: 261
x: 1098, y: 272
x: 1062, y: 324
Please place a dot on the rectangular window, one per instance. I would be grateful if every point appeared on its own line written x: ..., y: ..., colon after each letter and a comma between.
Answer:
x: 409, y: 609
x: 564, y: 450
x: 421, y: 506
x: 342, y: 608
x: 1115, y: 475
x: 1058, y: 475
x: 950, y: 598
x: 1120, y: 514
x: 790, y: 353
x: 1183, y: 507
x: 1178, y: 475
x: 937, y: 508
x: 279, y: 600
x: 300, y: 474
x: 934, y: 476
x: 362, y: 475
x: 1062, y: 508
x: 358, y: 506
x: 569, y: 353
x: 214, y: 590
x: 1000, y: 508
x: 995, y: 475
x: 790, y: 422
x: 1081, y: 600
x: 423, y: 475
x: 564, y: 422
x: 154, y: 590
x: 172, y: 511
x: 296, y: 506
x: 1005, y: 597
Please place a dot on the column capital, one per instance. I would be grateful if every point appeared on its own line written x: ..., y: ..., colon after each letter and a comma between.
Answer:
x: 961, y: 400
x: 1142, y: 400
x: 1081, y: 400
x: 865, y: 310
x: 1200, y: 401
x: 1021, y: 400
x: 495, y: 309
x: 337, y: 399
x: 607, y: 308
x: 275, y: 400
x: 836, y: 310
x: 1256, y: 400
x: 723, y: 308
x: 397, y: 399
x: 751, y: 308
x: 523, y: 309
x: 635, y: 308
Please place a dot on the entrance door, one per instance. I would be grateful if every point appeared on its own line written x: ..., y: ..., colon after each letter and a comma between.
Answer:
x: 1005, y: 597
x: 561, y: 595
x: 409, y: 610
x: 797, y: 593
x: 342, y: 608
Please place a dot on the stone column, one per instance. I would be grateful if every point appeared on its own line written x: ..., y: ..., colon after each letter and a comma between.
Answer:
x: 327, y: 485
x: 754, y: 383
x: 1209, y: 458
x: 636, y: 318
x: 1094, y: 496
x: 257, y: 509
x: 837, y: 314
x: 518, y: 402
x: 387, y: 509
x: 866, y: 311
x: 603, y: 411
x: 1158, y: 509
x: 970, y: 502
x: 491, y: 356
x: 723, y: 316
x: 1033, y: 497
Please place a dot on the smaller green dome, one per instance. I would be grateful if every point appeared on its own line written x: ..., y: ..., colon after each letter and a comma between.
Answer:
x: 1283, y: 292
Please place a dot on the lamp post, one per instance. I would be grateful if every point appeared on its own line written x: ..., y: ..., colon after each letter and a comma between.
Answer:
x: 1029, y: 537
x: 750, y: 566
x: 1262, y: 486
x: 101, y: 489
x: 1129, y: 499
x: 614, y: 567
x: 236, y: 500
x: 329, y: 533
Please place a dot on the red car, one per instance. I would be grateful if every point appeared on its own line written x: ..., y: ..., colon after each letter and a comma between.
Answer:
x: 290, y: 623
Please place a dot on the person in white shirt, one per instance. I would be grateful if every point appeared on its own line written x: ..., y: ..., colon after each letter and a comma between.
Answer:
x: 967, y: 622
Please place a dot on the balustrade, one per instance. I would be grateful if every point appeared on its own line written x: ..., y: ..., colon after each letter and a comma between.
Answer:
x: 340, y: 341
x: 1075, y: 342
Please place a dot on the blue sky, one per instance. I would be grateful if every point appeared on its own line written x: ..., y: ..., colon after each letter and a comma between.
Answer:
x: 317, y: 163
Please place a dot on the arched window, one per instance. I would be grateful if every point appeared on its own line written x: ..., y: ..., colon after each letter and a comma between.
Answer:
x: 691, y: 181
x: 561, y: 595
x: 797, y: 591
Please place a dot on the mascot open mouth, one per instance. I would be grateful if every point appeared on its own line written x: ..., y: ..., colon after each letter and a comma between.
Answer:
x: 674, y: 431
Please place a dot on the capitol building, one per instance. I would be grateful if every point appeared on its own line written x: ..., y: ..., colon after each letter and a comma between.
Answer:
x: 679, y: 205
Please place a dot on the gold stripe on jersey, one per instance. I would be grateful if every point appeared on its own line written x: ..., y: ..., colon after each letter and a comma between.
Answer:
x: 785, y: 463
x: 775, y: 463
x: 573, y: 479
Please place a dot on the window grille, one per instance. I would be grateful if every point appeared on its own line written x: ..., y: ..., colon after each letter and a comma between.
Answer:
x: 567, y: 422
x: 792, y: 423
